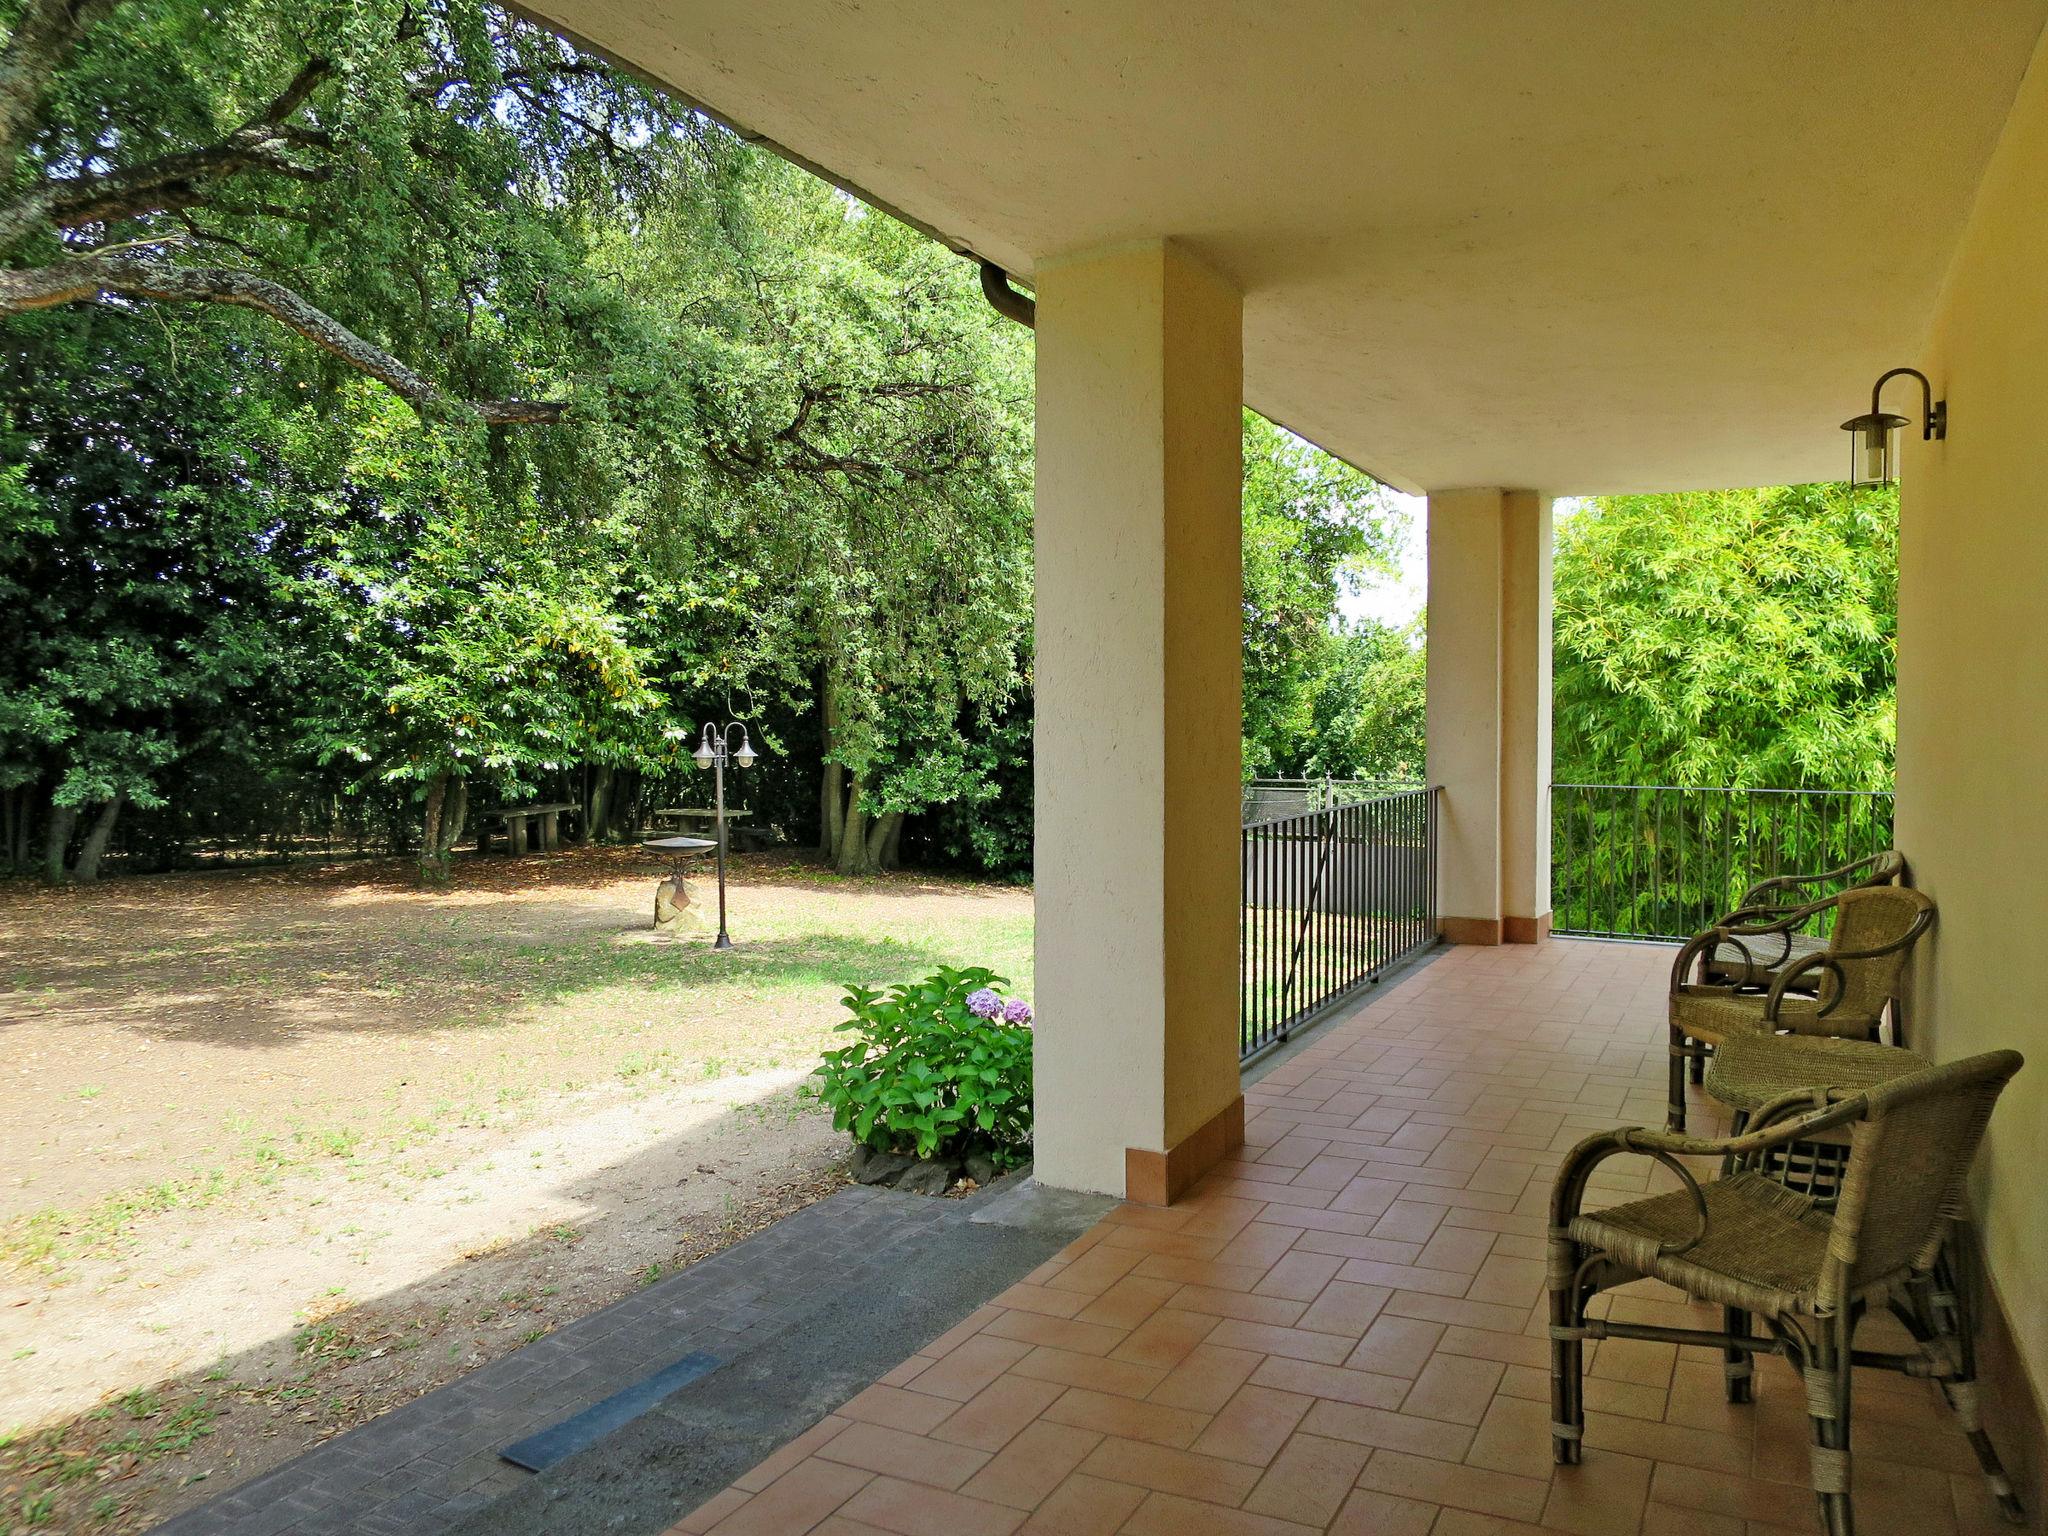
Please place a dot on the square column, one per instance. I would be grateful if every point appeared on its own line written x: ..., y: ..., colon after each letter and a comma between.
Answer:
x: 1489, y: 712
x: 1137, y: 748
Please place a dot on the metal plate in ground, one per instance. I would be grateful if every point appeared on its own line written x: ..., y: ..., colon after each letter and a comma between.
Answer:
x: 582, y: 1430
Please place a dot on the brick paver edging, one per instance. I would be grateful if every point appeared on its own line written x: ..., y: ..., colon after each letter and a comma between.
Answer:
x: 427, y: 1466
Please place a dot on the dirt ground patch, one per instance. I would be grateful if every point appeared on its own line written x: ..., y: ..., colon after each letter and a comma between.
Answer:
x: 286, y: 1148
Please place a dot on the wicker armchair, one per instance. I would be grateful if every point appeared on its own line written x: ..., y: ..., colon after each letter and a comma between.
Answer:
x: 1771, y: 949
x: 1807, y: 1268
x: 1852, y: 981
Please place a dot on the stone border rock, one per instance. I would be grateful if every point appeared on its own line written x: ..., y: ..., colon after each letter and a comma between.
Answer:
x: 925, y: 1176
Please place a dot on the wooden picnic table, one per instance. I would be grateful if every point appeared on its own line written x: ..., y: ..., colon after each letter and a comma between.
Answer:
x: 517, y: 819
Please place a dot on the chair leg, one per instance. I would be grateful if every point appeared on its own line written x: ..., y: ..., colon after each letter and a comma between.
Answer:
x: 1699, y: 1065
x: 1567, y: 1356
x: 1737, y: 1367
x: 1942, y: 1319
x: 1674, y: 1113
x: 1826, y: 1373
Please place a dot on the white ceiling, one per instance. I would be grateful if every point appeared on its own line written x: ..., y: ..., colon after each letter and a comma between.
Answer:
x: 1580, y: 245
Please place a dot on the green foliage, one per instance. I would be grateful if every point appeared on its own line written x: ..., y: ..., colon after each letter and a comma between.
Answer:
x: 865, y: 420
x: 132, y: 570
x: 793, y: 466
x: 925, y: 1074
x: 1728, y: 637
x: 1312, y: 527
x: 459, y: 631
x: 1741, y: 638
x: 1368, y: 705
x: 987, y: 827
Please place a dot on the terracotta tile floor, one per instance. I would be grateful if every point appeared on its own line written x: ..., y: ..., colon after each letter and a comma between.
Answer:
x: 1342, y: 1328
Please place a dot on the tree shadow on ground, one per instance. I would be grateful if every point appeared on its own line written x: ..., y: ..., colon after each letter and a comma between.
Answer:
x: 132, y: 1459
x: 260, y: 960
x: 533, y: 976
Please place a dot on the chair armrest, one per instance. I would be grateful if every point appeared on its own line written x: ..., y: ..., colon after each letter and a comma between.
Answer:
x: 1770, y: 918
x: 1824, y: 961
x: 1758, y: 895
x: 1568, y: 1192
x: 1739, y: 928
x: 1697, y: 948
x: 1880, y: 868
x: 1755, y: 942
x: 1823, y: 1021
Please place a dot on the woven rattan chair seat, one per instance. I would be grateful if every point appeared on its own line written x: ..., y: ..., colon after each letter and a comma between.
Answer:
x: 1762, y: 1252
x: 1748, y: 1071
x: 1714, y: 1016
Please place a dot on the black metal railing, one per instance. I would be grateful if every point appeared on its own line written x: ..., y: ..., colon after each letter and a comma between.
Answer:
x: 1332, y: 898
x: 1655, y: 861
x: 1266, y: 799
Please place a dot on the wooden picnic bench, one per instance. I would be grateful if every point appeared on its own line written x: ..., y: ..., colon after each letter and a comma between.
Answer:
x: 688, y: 816
x: 518, y: 819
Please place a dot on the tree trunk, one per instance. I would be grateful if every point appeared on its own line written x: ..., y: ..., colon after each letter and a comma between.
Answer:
x: 57, y: 841
x: 432, y: 862
x: 95, y: 845
x: 832, y: 792
x: 598, y: 814
x: 881, y: 832
x: 892, y: 846
x: 625, y: 803
x: 13, y: 812
x: 582, y: 836
x: 454, y: 814
x: 832, y: 810
x: 855, y: 854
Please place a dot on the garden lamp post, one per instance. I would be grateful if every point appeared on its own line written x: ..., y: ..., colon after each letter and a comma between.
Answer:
x: 714, y: 747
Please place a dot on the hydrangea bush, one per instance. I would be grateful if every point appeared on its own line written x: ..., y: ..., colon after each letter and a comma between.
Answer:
x: 938, y: 1068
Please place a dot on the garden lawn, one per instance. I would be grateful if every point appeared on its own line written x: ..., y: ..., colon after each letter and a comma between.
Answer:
x: 286, y: 1148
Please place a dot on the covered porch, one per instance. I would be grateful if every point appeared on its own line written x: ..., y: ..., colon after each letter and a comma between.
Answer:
x: 1497, y: 257
x: 1340, y: 1328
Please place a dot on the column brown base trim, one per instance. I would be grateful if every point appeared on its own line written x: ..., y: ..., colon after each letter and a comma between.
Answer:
x: 1525, y: 930
x: 1160, y: 1178
x: 1469, y: 930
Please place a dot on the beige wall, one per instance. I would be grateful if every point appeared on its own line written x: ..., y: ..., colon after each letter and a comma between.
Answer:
x: 1973, y: 690
x: 1138, y: 687
x: 1489, y: 708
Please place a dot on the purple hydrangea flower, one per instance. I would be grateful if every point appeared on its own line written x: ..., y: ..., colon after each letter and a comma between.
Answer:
x: 1018, y: 1012
x: 984, y: 1004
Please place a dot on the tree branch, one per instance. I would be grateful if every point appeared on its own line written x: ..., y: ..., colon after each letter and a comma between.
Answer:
x: 180, y: 180
x: 43, y: 37
x: 95, y: 278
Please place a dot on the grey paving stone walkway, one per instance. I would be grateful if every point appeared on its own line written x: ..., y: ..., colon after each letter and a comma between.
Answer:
x: 803, y: 1315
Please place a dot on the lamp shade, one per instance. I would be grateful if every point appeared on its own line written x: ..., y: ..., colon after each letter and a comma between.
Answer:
x: 703, y: 754
x: 1873, y: 448
x: 745, y: 755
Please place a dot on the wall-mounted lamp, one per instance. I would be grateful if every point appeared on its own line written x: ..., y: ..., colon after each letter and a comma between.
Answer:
x: 1874, y: 437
